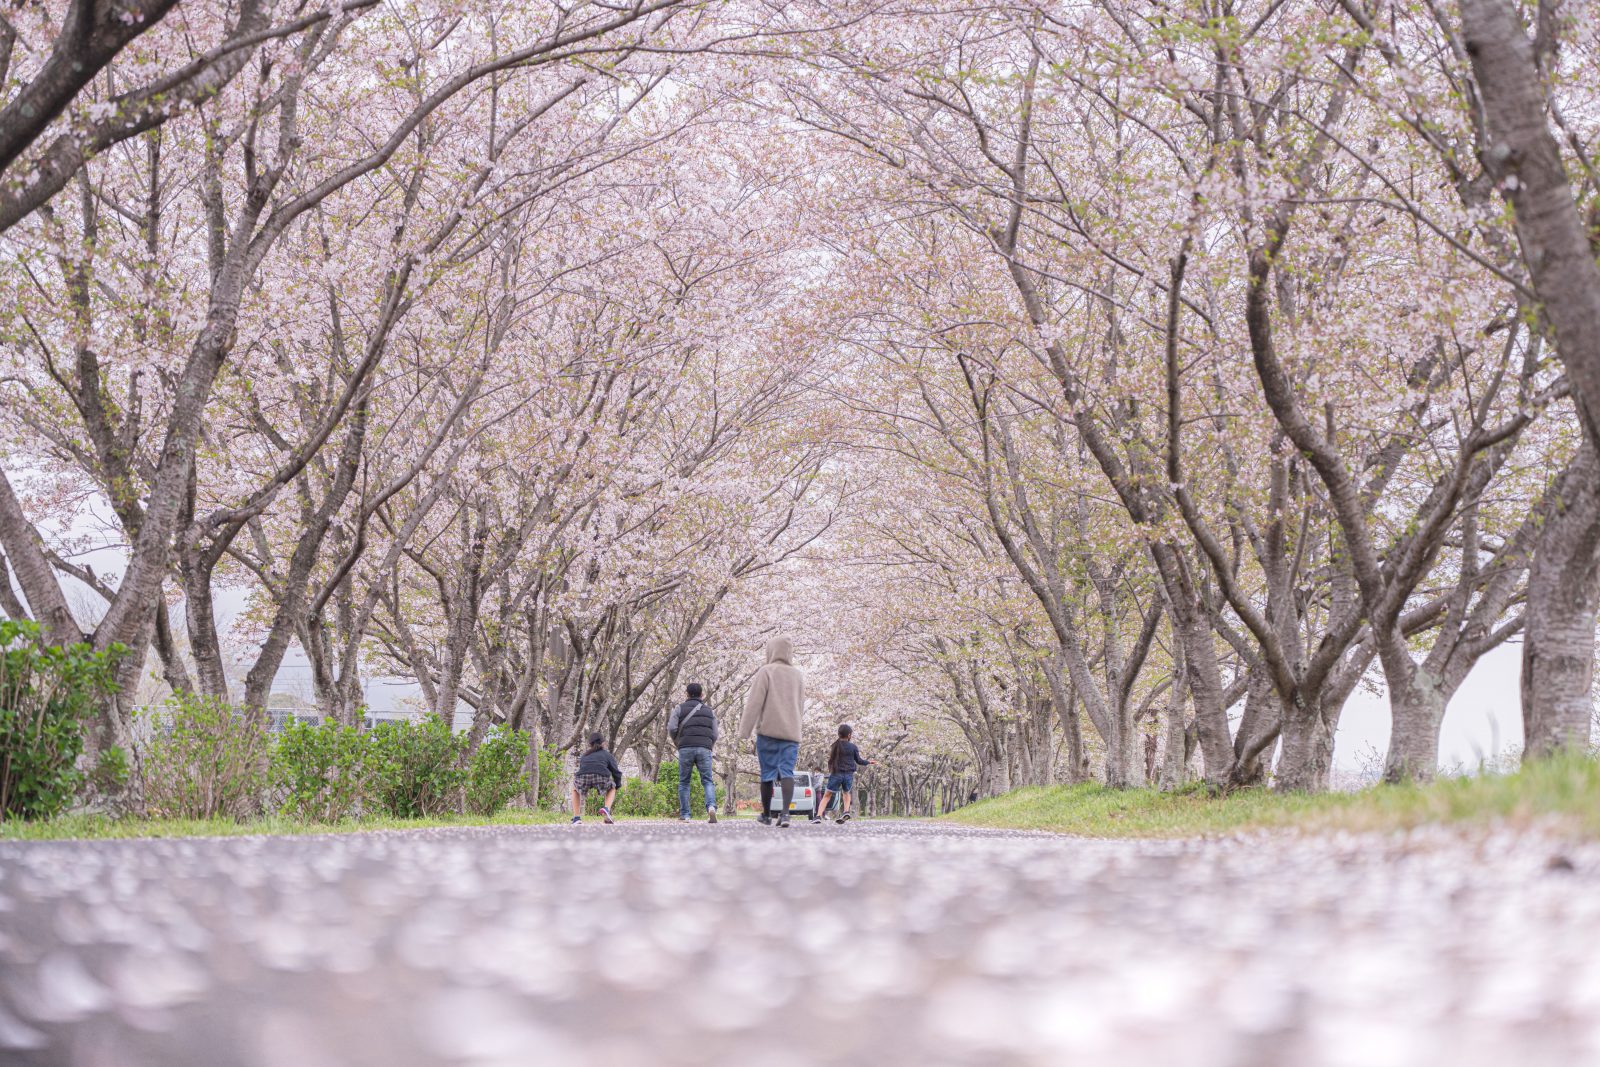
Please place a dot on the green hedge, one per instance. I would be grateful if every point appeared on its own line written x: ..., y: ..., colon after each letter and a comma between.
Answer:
x: 201, y: 758
x: 414, y: 769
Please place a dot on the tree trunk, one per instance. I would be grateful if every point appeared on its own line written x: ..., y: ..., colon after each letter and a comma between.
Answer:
x: 1416, y: 710
x: 1559, y: 253
x: 1204, y: 680
x: 462, y: 607
x: 292, y: 600
x: 201, y: 623
x: 1124, y: 761
x: 34, y: 573
x: 1307, y: 756
x: 1556, y: 246
x: 1000, y: 767
x: 1563, y: 601
x: 1523, y: 157
x: 530, y: 766
x: 1175, y: 760
x: 1263, y: 715
x: 172, y: 665
x: 1065, y: 701
x: 730, y: 777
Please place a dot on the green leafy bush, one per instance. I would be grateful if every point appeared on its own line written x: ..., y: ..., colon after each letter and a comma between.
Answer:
x: 494, y: 775
x: 553, y: 779
x: 643, y: 798
x: 203, y: 759
x: 107, y: 784
x: 320, y: 771
x: 416, y: 767
x: 666, y: 784
x: 47, y: 693
x: 635, y: 797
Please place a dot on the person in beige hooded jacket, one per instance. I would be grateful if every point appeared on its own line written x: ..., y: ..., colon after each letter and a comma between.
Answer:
x: 772, y: 711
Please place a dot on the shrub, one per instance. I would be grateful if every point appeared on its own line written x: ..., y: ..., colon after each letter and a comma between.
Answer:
x: 494, y: 775
x: 641, y: 797
x: 321, y: 771
x: 667, y: 788
x: 107, y: 785
x: 204, y: 759
x: 46, y: 694
x: 415, y: 767
x: 635, y: 797
x: 553, y: 778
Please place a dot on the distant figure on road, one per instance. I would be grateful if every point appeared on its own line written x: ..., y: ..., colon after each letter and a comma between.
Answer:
x: 772, y: 712
x: 817, y: 810
x: 693, y: 728
x: 843, y: 760
x: 597, y: 769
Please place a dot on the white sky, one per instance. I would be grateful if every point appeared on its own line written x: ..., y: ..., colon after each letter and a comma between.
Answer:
x: 1484, y: 719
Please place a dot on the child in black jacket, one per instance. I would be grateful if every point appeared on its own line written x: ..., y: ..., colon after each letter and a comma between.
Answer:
x: 597, y: 769
x: 844, y: 758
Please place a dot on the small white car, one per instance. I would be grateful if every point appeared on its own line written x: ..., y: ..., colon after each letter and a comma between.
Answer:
x: 807, y: 793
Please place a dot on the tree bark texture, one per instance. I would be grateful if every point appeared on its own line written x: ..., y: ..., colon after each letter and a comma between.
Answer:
x: 1563, y: 601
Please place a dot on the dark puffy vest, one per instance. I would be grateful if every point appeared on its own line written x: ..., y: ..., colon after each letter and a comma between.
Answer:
x: 694, y: 725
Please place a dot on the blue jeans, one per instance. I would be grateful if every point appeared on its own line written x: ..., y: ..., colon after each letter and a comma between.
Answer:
x: 688, y: 760
x: 776, y: 757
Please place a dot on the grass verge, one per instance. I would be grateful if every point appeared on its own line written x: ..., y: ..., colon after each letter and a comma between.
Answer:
x: 1563, y: 794
x: 90, y: 827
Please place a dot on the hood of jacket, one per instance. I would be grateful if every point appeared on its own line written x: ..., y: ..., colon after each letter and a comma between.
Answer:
x: 776, y: 701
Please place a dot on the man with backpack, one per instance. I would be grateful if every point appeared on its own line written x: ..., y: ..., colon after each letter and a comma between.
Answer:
x: 693, y: 728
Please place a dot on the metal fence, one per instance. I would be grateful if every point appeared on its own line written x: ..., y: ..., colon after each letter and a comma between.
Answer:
x: 153, y: 719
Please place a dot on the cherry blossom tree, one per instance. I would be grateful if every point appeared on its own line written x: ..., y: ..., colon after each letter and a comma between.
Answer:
x: 254, y: 174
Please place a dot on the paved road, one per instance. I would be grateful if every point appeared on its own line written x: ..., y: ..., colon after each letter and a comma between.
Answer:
x: 666, y: 944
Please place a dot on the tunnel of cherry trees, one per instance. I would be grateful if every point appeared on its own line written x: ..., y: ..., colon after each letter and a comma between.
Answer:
x: 1099, y: 391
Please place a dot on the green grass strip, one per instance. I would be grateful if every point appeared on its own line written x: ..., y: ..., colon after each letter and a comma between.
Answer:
x: 1563, y: 794
x: 92, y: 827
